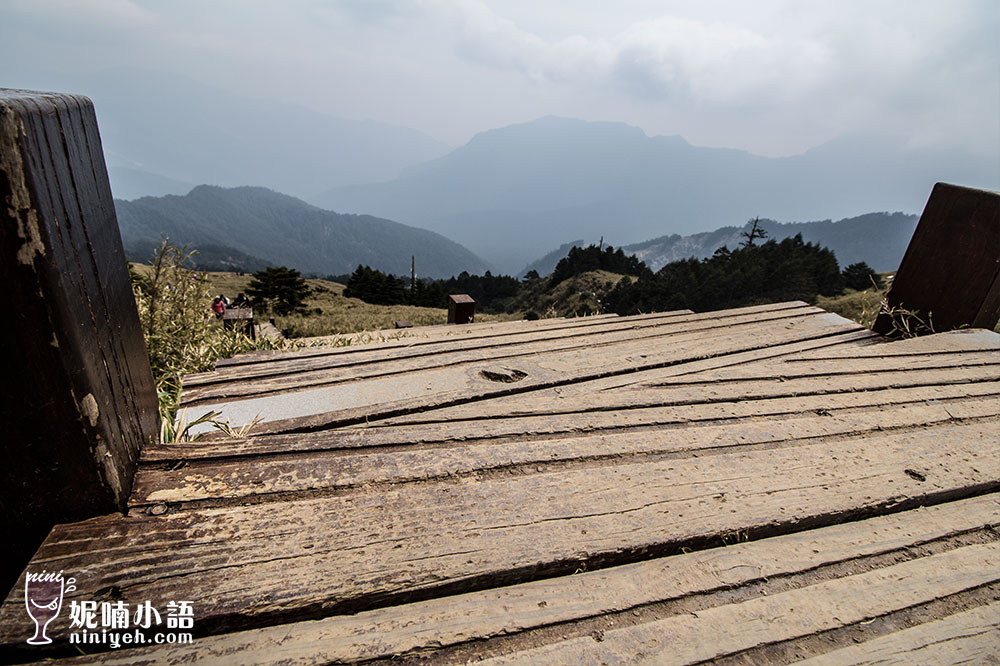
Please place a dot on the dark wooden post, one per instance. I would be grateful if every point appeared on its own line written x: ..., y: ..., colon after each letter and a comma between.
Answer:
x: 77, y: 400
x: 461, y: 309
x: 950, y: 274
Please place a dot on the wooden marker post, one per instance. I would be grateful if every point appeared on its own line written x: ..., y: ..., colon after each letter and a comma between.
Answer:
x: 950, y: 274
x: 77, y: 400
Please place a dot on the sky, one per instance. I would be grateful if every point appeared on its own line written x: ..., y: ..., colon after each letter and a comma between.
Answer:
x: 771, y: 77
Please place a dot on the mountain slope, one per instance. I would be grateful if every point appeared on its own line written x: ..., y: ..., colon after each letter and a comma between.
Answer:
x: 255, y: 222
x: 878, y: 239
x: 512, y: 190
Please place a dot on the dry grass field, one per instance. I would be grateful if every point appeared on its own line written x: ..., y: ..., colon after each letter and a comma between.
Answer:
x: 328, y: 312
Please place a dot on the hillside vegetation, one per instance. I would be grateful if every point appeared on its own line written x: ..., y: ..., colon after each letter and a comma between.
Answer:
x: 878, y: 239
x: 248, y: 228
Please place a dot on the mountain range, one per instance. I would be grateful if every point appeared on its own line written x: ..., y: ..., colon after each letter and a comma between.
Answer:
x: 509, y: 192
x: 878, y: 239
x: 247, y: 228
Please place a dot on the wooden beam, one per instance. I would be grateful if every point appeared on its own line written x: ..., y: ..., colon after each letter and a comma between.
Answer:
x: 950, y: 274
x: 77, y: 400
x: 511, y: 619
x: 385, y: 545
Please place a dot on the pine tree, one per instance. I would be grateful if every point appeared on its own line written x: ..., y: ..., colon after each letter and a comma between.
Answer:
x: 281, y: 289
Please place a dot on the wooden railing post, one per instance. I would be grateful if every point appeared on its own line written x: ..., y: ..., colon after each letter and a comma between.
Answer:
x: 950, y: 274
x: 77, y: 400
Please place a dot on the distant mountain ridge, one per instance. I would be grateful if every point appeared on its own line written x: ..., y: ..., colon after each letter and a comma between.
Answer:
x: 510, y: 191
x: 878, y: 239
x: 248, y: 227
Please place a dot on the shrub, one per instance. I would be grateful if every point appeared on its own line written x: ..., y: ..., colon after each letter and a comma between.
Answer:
x: 180, y: 330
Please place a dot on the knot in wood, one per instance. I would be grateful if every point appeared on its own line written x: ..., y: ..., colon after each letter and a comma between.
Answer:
x: 502, y: 374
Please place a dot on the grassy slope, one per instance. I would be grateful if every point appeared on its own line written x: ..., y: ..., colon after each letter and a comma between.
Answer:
x: 576, y: 296
x: 328, y: 312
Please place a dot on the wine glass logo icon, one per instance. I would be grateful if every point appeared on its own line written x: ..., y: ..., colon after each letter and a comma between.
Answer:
x: 43, y: 596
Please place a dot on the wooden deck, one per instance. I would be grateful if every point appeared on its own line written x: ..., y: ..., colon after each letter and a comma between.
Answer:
x: 765, y: 485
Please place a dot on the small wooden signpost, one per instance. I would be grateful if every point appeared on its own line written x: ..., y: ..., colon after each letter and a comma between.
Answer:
x: 461, y: 309
x: 239, y: 319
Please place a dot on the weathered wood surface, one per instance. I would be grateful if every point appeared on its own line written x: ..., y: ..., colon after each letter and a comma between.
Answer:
x: 972, y: 637
x: 421, y: 384
x: 387, y: 544
x: 454, y: 525
x: 388, y: 338
x: 950, y: 273
x: 546, y: 612
x: 437, y: 350
x: 700, y: 636
x: 77, y: 401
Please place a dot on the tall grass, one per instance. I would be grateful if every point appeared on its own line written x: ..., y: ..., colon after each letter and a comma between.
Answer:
x: 181, y: 333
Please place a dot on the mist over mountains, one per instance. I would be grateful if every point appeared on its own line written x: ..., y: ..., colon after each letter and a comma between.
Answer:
x: 249, y: 228
x: 165, y: 133
x: 511, y: 192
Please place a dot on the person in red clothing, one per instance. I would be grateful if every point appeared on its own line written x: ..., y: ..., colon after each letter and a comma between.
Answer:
x: 219, y: 306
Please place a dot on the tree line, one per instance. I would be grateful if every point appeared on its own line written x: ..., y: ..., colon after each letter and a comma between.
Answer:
x: 754, y: 273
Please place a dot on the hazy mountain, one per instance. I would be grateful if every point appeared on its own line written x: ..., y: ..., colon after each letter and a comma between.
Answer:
x: 547, y: 264
x: 257, y: 225
x: 134, y: 183
x: 513, y: 190
x: 878, y: 239
x: 172, y: 128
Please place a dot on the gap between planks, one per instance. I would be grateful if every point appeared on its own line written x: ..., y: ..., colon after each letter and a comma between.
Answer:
x: 520, y: 616
x: 300, y: 475
x: 349, y: 553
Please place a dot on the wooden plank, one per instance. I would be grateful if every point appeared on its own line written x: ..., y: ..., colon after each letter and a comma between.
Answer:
x: 301, y: 473
x: 259, y: 380
x: 382, y: 397
x: 363, y: 549
x: 972, y: 637
x: 350, y: 343
x: 951, y: 270
x: 77, y: 396
x: 503, y: 429
x: 307, y: 360
x: 708, y: 634
x: 507, y: 611
x: 796, y: 368
x: 963, y: 340
x: 643, y: 395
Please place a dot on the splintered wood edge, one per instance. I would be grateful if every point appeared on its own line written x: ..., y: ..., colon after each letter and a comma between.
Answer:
x: 506, y: 611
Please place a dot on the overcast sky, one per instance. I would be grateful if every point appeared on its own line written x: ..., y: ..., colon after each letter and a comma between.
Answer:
x: 771, y: 77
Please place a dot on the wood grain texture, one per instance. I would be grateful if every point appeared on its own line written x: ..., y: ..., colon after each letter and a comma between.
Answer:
x: 500, y: 430
x: 294, y: 375
x: 534, y: 488
x: 508, y: 611
x: 304, y: 472
x: 972, y: 637
x: 416, y: 391
x: 77, y: 401
x: 951, y: 269
x: 395, y: 339
x: 363, y: 549
x: 709, y: 634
